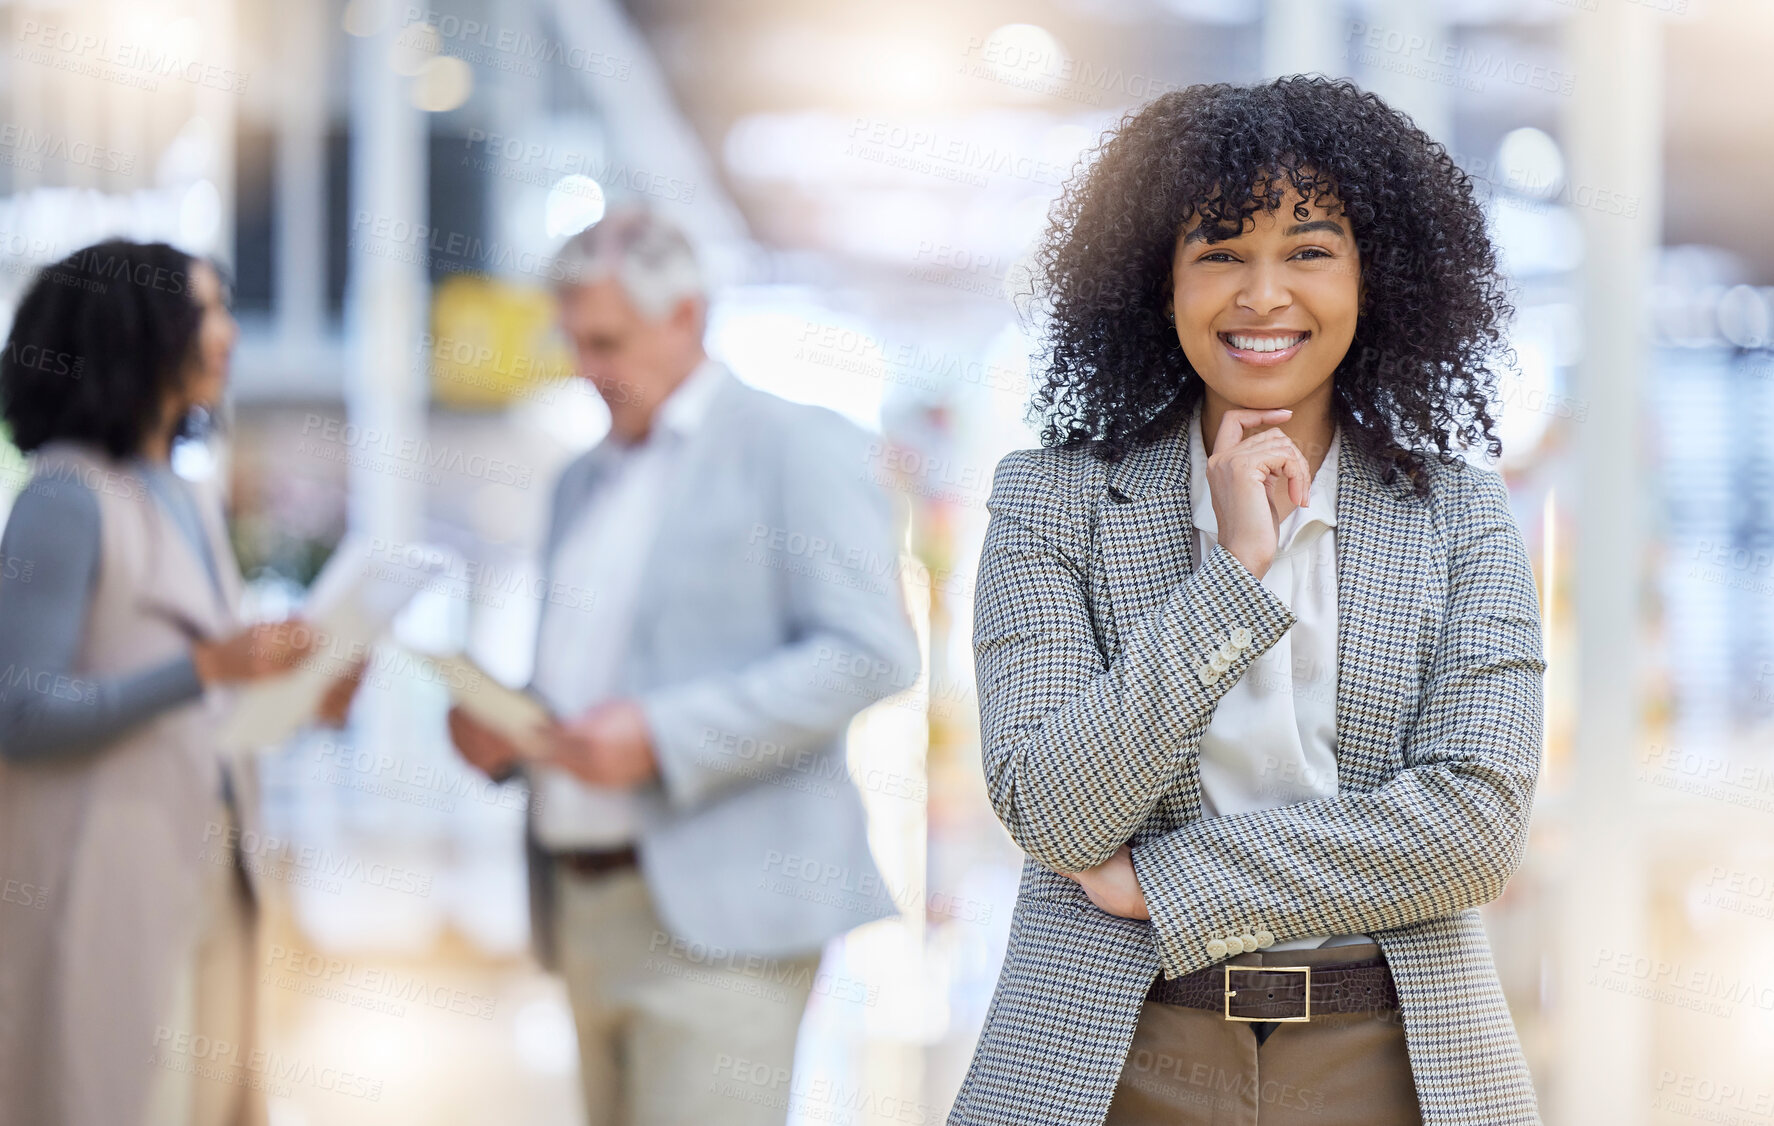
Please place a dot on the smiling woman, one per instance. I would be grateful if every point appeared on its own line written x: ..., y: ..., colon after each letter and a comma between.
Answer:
x: 1258, y: 657
x: 1291, y: 186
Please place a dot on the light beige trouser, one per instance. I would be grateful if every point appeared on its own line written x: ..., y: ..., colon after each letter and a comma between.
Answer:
x: 673, y: 1033
x: 1190, y: 1067
x: 213, y: 1084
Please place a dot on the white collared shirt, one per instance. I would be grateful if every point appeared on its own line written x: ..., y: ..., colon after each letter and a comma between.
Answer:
x: 603, y: 551
x: 1272, y: 740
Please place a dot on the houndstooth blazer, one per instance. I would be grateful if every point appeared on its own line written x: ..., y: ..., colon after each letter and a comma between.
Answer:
x: 1095, y: 640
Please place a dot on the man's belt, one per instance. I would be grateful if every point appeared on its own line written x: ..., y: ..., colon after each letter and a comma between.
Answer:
x: 1282, y: 993
x: 596, y: 862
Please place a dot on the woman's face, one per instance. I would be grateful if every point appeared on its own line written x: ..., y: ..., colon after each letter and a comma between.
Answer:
x: 1266, y: 317
x: 207, y: 378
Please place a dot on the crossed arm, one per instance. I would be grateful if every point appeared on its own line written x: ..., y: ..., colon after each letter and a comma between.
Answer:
x: 1077, y: 755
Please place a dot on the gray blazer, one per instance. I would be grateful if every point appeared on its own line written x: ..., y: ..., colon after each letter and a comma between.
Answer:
x: 769, y: 615
x: 1092, y: 636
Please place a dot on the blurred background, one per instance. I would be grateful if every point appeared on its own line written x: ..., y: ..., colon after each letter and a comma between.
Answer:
x: 386, y: 180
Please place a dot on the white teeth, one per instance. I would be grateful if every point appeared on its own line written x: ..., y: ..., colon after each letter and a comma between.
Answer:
x: 1264, y: 343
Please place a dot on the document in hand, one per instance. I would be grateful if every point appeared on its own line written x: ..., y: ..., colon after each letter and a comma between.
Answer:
x: 512, y: 712
x: 351, y: 604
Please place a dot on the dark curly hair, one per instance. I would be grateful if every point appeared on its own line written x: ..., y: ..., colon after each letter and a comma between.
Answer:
x: 1415, y: 372
x: 98, y: 340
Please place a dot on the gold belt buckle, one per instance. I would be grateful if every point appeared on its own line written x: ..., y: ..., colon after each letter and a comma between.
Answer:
x: 1230, y: 992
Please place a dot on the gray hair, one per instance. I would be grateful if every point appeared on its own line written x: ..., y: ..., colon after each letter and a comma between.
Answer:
x: 650, y: 256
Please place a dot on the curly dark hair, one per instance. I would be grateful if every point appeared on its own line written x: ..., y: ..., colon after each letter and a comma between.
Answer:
x: 98, y: 340
x: 1115, y: 374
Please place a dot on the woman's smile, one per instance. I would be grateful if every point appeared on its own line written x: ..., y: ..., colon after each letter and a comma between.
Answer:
x: 1263, y: 349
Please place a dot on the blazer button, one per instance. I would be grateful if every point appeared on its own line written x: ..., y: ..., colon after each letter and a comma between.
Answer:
x: 1219, y: 663
x: 1216, y: 948
x: 1251, y: 945
x: 1234, y: 944
x: 1228, y: 651
x: 1265, y: 940
x: 1242, y: 638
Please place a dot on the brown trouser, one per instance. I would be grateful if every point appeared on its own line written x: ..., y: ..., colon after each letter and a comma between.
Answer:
x: 1190, y: 1067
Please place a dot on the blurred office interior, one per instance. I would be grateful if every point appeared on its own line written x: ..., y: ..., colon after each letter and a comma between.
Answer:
x: 385, y: 182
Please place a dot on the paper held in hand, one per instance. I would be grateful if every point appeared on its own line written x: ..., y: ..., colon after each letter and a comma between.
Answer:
x: 351, y: 604
x: 512, y: 712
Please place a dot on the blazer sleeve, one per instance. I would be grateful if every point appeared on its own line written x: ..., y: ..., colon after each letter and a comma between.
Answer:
x: 1445, y: 834
x: 850, y: 640
x: 1077, y: 751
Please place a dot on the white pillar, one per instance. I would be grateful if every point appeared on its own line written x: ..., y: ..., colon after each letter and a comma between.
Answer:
x: 1613, y: 128
x: 385, y: 309
x: 386, y: 286
x: 1426, y: 101
x: 218, y: 107
x: 300, y: 285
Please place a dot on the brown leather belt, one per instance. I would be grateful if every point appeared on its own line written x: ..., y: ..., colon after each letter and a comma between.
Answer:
x: 598, y: 862
x: 1281, y: 993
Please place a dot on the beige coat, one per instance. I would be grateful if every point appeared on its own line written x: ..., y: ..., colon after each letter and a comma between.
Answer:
x: 102, y: 857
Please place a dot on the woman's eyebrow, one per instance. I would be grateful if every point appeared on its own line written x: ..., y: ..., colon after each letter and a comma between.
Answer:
x: 1331, y: 225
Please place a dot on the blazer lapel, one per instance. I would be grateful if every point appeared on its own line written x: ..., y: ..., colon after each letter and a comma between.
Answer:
x: 1143, y: 550
x: 1382, y: 547
x: 585, y: 476
x: 211, y: 511
x: 682, y: 508
x: 177, y: 586
x: 1145, y: 546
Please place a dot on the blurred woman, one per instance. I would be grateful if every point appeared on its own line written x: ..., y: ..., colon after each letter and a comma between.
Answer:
x: 127, y: 922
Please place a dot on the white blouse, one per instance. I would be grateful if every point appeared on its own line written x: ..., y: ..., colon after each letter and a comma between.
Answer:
x: 1272, y: 740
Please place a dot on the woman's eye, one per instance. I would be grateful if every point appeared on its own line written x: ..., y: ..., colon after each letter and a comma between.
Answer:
x: 1223, y: 256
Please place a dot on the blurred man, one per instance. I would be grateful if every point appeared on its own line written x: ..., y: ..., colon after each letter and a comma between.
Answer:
x: 723, y: 598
